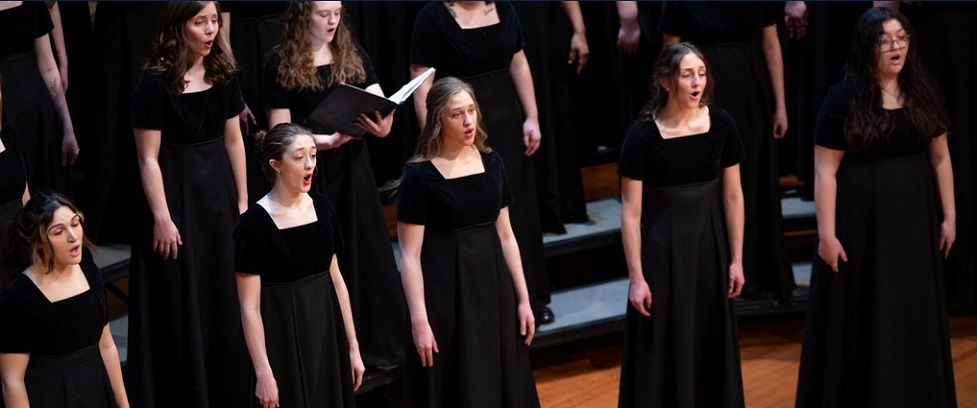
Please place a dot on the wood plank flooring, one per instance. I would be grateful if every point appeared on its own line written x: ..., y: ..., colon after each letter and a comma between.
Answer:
x: 586, y: 374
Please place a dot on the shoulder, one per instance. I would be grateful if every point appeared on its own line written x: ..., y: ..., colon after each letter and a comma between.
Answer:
x: 152, y: 80
x: 322, y: 202
x: 837, y: 99
x: 90, y: 268
x: 720, y: 119
x: 642, y: 128
x: 251, y: 219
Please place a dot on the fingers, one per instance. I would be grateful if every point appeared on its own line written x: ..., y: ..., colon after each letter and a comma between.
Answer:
x: 531, y: 145
x: 64, y: 157
x: 174, y: 249
x: 582, y: 61
x: 357, y: 378
x: 735, y: 286
x: 529, y: 330
x: 640, y: 306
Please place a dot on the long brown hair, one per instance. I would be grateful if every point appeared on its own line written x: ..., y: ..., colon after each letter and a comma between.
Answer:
x: 429, y: 143
x: 27, y: 239
x: 666, y: 69
x: 867, y: 123
x: 169, y: 53
x: 297, y: 70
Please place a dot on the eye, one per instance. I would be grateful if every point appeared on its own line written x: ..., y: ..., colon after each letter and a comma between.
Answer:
x: 57, y: 231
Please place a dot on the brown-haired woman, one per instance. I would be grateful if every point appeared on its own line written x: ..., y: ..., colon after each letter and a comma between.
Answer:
x: 682, y: 229
x: 294, y: 304
x: 317, y: 54
x: 875, y: 333
x: 56, y: 349
x: 186, y: 342
x: 471, y: 316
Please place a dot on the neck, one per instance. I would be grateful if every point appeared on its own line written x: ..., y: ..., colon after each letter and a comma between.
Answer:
x: 320, y: 50
x: 58, y: 271
x: 470, y: 5
x: 284, y: 197
x: 890, y: 84
x: 676, y: 114
x: 454, y: 152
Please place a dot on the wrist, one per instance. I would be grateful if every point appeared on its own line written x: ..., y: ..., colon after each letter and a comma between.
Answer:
x: 264, y: 374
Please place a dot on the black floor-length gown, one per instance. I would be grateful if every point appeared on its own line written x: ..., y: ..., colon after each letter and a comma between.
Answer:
x: 304, y: 334
x: 876, y: 334
x: 15, y: 165
x: 27, y: 104
x: 687, y: 353
x: 481, y: 56
x: 66, y: 367
x: 471, y: 303
x: 729, y: 35
x: 186, y: 344
x: 345, y: 175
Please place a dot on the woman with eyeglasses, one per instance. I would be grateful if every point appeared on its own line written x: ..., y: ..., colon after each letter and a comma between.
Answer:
x: 876, y: 330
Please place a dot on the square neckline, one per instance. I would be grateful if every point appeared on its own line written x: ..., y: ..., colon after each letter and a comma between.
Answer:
x: 52, y: 302
x: 264, y: 210
x: 498, y: 14
x: 481, y: 157
x: 706, y: 132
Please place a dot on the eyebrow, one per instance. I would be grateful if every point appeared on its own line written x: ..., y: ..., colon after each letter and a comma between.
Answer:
x: 61, y: 224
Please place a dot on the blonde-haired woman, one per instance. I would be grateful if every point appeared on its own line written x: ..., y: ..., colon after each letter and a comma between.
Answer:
x: 471, y: 317
x: 317, y: 54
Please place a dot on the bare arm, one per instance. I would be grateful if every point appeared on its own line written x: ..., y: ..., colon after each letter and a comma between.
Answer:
x: 639, y: 294
x: 411, y: 238
x: 48, y: 69
x: 342, y: 294
x: 57, y: 34
x: 225, y: 29
x: 775, y: 68
x: 110, y: 357
x: 249, y: 296
x: 322, y: 142
x: 420, y: 94
x: 166, y: 237
x: 826, y: 163
x: 234, y: 147
x: 734, y: 212
x: 27, y: 195
x: 522, y: 78
x: 629, y: 35
x: 579, y: 50
x: 510, y: 251
x: 939, y: 155
x: 13, y: 367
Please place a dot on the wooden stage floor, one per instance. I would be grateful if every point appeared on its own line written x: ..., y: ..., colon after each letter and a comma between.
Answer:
x: 585, y: 374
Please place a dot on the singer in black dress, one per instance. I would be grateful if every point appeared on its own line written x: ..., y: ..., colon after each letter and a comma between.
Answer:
x: 345, y: 172
x: 491, y: 58
x: 186, y: 344
x: 875, y: 333
x: 471, y: 316
x: 682, y: 228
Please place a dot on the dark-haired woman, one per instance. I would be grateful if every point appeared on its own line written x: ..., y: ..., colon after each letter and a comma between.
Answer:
x: 186, y: 342
x: 471, y: 316
x: 35, y: 97
x: 56, y: 349
x: 294, y: 304
x: 317, y: 54
x: 682, y: 228
x: 482, y: 42
x: 876, y: 328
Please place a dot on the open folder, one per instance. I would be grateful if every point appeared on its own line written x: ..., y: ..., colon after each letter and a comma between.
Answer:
x: 339, y: 111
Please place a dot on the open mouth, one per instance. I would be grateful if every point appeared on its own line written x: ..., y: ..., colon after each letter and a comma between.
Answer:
x: 307, y: 179
x: 75, y: 250
x: 209, y: 44
x: 695, y: 94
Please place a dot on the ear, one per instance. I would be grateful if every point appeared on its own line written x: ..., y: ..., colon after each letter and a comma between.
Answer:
x: 665, y: 84
x: 275, y: 165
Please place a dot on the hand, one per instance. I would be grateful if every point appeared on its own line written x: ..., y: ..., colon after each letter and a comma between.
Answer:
x: 830, y: 251
x: 247, y: 118
x: 166, y: 238
x: 795, y: 15
x: 639, y: 294
x: 736, y: 280
x: 948, y: 234
x: 531, y: 135
x: 527, y: 322
x: 425, y: 343
x: 379, y: 127
x: 356, y: 362
x: 579, y: 51
x: 329, y: 142
x: 628, y: 37
x: 780, y: 123
x: 266, y: 390
x: 69, y: 149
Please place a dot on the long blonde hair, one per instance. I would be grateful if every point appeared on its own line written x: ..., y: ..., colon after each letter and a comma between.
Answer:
x: 429, y: 143
x: 297, y: 70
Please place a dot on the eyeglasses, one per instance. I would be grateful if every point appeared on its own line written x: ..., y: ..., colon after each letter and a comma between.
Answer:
x: 889, y: 43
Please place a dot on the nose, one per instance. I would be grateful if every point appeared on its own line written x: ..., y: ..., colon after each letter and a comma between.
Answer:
x: 72, y: 235
x: 211, y: 27
x: 468, y: 118
x: 309, y: 162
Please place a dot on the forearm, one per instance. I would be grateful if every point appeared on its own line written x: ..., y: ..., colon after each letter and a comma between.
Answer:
x: 152, y: 182
x: 254, y: 337
x: 52, y: 81
x: 825, y: 195
x: 234, y: 147
x: 734, y: 211
x: 513, y: 261
x: 413, y: 281
x: 15, y: 394
x: 420, y: 94
x: 627, y: 12
x: 57, y: 34
x: 522, y: 79
x: 572, y: 11
x: 631, y: 241
x: 110, y: 357
x: 775, y: 65
x: 943, y: 172
x: 342, y: 294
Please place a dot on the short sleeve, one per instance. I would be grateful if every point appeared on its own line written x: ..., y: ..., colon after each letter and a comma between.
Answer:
x: 147, y: 101
x: 247, y: 244
x: 332, y: 220
x: 94, y: 277
x: 829, y: 131
x: 733, y: 151
x: 44, y: 23
x: 517, y: 25
x: 235, y: 100
x: 632, y: 161
x: 273, y: 95
x: 371, y: 75
x: 674, y: 19
x: 506, y: 191
x: 426, y: 39
x: 15, y: 318
x: 773, y: 12
x: 412, y: 197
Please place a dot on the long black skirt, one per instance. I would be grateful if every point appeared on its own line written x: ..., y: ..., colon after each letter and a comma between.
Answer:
x: 471, y: 306
x: 306, y: 343
x: 74, y: 380
x: 687, y: 353
x: 876, y: 332
x: 502, y: 117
